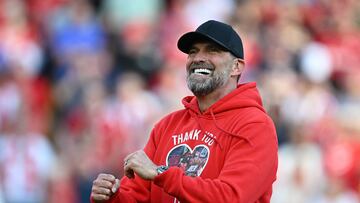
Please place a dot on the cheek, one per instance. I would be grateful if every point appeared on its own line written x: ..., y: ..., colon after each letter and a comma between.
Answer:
x: 226, y: 63
x: 188, y: 63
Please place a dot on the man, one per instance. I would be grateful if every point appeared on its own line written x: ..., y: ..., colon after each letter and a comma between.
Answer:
x: 221, y: 148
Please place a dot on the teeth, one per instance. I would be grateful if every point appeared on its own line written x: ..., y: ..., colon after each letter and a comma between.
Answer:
x: 202, y: 71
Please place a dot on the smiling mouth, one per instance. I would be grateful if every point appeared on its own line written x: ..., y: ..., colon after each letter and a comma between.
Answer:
x: 202, y: 71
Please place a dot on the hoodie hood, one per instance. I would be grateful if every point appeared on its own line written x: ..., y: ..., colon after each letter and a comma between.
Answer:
x: 244, y: 96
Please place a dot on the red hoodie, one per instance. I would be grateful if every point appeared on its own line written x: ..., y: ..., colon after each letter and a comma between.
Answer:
x: 226, y: 154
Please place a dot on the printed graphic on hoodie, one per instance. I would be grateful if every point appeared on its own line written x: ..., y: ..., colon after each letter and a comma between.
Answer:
x: 191, y: 161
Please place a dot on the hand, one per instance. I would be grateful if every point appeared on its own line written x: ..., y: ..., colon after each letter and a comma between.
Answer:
x: 104, y: 186
x: 139, y: 163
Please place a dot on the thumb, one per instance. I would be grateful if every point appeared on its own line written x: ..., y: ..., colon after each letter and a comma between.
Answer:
x: 116, y: 186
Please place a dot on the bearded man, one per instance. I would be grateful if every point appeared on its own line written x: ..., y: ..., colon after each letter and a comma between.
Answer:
x: 224, y: 125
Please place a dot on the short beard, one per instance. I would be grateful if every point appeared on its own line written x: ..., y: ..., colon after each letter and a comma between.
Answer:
x: 204, y: 87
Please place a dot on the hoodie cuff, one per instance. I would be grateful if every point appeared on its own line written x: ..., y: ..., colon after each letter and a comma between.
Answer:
x: 170, y: 180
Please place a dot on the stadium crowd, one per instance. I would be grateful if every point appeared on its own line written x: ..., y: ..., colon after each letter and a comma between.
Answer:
x: 83, y: 81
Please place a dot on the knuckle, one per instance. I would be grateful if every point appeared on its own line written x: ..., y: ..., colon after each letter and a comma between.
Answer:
x: 107, y: 191
x: 108, y: 185
x: 102, y: 175
x: 100, y: 197
x: 96, y: 182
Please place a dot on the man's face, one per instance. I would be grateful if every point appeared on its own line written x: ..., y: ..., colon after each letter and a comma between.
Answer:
x: 208, y: 67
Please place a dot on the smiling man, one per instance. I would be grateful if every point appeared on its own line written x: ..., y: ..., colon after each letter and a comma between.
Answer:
x: 222, y: 147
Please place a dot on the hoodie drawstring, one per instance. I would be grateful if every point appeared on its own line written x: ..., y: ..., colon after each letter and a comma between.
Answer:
x: 201, y: 127
x: 230, y: 133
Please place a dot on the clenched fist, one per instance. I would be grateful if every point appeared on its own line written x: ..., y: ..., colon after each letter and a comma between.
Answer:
x: 104, y: 186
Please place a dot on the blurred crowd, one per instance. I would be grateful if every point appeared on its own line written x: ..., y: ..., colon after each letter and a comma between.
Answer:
x: 83, y: 81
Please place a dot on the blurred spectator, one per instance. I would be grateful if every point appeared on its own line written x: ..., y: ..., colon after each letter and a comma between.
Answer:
x: 74, y: 32
x: 300, y: 175
x: 26, y: 161
x: 207, y: 9
x: 133, y: 108
x: 19, y: 44
x: 336, y: 192
x: 170, y: 87
x: 10, y: 98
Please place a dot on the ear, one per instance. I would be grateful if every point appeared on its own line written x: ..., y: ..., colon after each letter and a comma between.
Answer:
x: 238, y: 67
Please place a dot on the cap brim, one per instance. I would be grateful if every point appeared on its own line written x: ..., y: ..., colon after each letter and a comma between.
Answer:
x: 187, y: 40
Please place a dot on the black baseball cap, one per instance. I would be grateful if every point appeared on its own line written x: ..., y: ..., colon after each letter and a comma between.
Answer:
x: 218, y: 32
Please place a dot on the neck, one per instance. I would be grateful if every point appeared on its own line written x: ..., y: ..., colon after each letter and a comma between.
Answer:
x: 206, y: 101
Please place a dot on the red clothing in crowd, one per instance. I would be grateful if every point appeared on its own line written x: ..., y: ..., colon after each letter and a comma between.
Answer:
x: 226, y: 154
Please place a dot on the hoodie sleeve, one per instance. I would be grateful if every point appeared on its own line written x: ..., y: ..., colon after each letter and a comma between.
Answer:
x: 137, y: 189
x: 247, y: 174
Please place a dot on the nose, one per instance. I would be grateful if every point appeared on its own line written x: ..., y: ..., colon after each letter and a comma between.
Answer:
x: 200, y: 56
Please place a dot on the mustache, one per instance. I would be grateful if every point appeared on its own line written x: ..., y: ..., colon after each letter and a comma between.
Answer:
x: 195, y: 65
